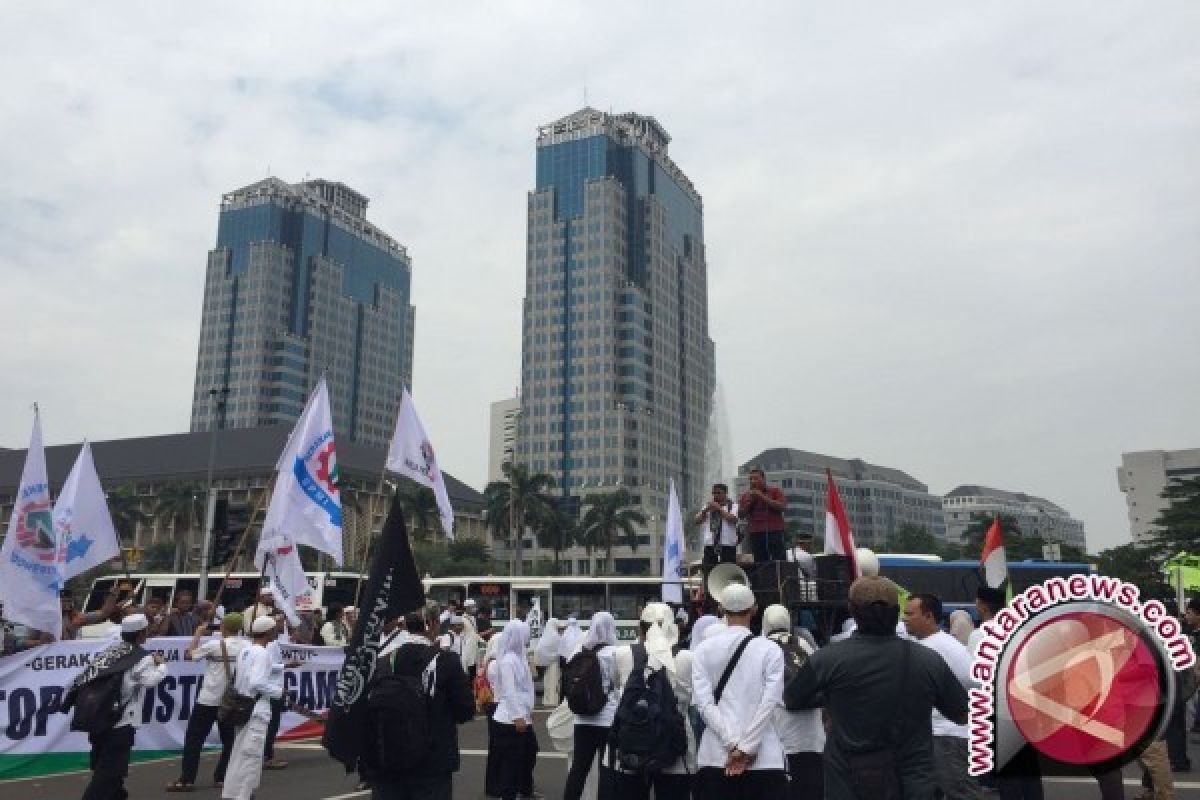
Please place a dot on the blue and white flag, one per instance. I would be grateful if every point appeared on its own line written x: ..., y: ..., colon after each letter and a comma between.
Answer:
x: 306, y: 505
x: 82, y: 522
x: 285, y: 572
x: 411, y: 455
x: 673, y: 569
x: 31, y: 555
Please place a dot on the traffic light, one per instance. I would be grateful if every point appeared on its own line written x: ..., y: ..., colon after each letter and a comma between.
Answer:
x: 229, y: 523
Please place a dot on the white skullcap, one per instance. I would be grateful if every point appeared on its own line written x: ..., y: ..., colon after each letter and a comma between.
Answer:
x: 737, y: 598
x: 776, y: 618
x: 470, y: 602
x: 349, y: 610
x: 134, y: 623
x: 456, y: 620
x: 263, y: 624
x: 651, y: 613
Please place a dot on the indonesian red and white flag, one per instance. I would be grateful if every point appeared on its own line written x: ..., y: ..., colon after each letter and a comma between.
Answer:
x: 993, y: 559
x: 838, y: 538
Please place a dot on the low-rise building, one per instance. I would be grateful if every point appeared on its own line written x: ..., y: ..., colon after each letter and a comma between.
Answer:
x: 1035, y: 516
x: 1144, y: 475
x: 878, y: 500
x: 243, y: 465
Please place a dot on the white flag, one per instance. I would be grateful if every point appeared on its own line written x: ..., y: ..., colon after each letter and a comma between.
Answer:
x: 288, y: 580
x: 81, y: 519
x: 31, y: 556
x: 411, y: 455
x: 305, y: 504
x: 673, y: 570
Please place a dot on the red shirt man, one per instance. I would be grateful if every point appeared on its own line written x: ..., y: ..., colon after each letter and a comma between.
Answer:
x: 763, y: 506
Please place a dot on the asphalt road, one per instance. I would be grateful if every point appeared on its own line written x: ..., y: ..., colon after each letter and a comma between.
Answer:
x: 311, y: 775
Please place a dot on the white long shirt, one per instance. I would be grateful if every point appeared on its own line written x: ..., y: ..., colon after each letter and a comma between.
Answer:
x: 213, y: 685
x: 144, y: 675
x: 744, y: 719
x: 681, y: 684
x: 728, y: 530
x: 258, y: 674
x: 514, y: 689
x: 604, y: 717
x: 799, y: 731
x: 958, y: 658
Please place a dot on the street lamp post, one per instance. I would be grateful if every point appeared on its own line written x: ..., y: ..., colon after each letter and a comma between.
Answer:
x: 218, y: 398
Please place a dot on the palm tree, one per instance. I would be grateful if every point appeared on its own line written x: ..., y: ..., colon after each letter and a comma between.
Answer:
x: 610, y: 515
x: 514, y: 504
x: 125, y: 507
x: 180, y: 502
x: 420, y: 507
x: 555, y: 530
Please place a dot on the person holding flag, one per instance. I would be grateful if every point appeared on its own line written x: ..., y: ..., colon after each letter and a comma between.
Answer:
x: 82, y: 523
x: 411, y: 455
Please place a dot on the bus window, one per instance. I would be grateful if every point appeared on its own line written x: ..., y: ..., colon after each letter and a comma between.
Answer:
x: 340, y: 591
x: 626, y: 600
x: 444, y: 594
x: 494, y: 595
x: 580, y: 600
x: 100, y: 590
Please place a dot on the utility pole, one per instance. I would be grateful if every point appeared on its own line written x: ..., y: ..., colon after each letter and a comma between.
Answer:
x: 217, y: 401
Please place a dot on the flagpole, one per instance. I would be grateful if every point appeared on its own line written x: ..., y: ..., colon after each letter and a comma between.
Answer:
x: 362, y: 564
x: 263, y: 498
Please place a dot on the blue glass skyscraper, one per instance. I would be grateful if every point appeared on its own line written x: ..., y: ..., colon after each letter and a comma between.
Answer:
x: 617, y: 364
x: 301, y: 283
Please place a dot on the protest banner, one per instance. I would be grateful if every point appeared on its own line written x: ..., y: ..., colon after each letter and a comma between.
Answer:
x: 36, y: 739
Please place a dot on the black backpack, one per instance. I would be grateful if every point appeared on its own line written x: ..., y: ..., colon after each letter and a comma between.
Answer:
x: 648, y: 733
x: 583, y: 683
x: 97, y: 703
x: 401, y: 736
x: 794, y: 657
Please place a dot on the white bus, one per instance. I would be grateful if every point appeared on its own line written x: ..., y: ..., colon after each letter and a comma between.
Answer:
x: 240, y: 591
x: 558, y: 596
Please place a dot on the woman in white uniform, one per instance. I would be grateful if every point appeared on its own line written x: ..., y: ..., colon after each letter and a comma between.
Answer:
x: 591, y: 730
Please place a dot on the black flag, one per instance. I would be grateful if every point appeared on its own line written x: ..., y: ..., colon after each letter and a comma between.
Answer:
x: 392, y: 585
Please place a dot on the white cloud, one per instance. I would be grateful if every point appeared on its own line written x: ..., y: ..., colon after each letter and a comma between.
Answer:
x: 960, y: 241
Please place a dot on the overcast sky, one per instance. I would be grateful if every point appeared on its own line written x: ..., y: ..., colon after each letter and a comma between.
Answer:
x: 962, y: 240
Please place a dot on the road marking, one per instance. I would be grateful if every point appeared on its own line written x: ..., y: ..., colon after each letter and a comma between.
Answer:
x: 318, y: 746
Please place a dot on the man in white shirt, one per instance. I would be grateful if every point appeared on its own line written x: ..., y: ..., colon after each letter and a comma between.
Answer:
x: 259, y: 677
x: 922, y: 618
x: 719, y: 519
x: 219, y: 656
x: 801, y: 732
x: 139, y: 670
x: 452, y: 639
x: 737, y: 683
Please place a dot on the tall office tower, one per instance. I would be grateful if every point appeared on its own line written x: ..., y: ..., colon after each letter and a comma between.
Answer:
x: 502, y: 438
x: 1143, y: 476
x: 300, y: 284
x: 617, y: 365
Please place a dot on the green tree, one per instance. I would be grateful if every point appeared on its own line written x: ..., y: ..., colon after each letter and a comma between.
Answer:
x: 157, y: 557
x: 515, y: 503
x: 555, y: 530
x: 468, y: 555
x: 977, y: 530
x: 420, y: 510
x: 1179, y: 523
x: 912, y: 539
x: 181, y: 504
x: 610, y: 516
x: 1138, y: 564
x: 125, y: 507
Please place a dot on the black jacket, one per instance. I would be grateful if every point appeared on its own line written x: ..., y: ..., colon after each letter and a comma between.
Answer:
x: 453, y: 704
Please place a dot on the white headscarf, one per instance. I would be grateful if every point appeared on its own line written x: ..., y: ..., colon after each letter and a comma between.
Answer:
x: 961, y: 625
x: 547, y: 646
x: 699, y: 627
x: 661, y: 632
x: 603, y: 630
x: 570, y: 639
x: 470, y: 643
x: 511, y: 651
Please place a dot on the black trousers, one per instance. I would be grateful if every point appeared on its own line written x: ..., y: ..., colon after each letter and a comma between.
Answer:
x: 754, y: 784
x: 723, y: 554
x: 767, y: 547
x: 589, y: 740
x: 625, y: 786
x: 806, y: 776
x: 109, y: 761
x: 1176, y: 736
x: 199, y: 724
x: 515, y: 756
x: 1021, y: 778
x: 273, y: 728
x: 426, y: 787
